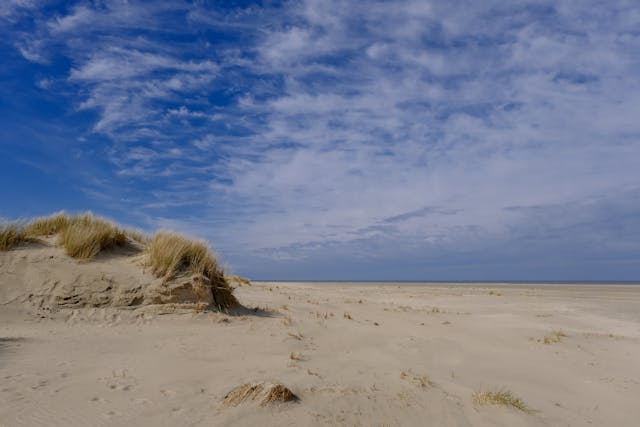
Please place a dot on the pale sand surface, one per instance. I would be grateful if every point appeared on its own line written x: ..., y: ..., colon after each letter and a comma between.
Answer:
x: 115, y: 367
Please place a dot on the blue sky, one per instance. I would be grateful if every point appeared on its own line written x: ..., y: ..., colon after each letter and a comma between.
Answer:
x: 322, y: 139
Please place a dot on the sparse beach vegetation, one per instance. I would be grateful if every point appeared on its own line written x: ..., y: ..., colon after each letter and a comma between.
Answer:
x: 11, y: 234
x: 500, y: 397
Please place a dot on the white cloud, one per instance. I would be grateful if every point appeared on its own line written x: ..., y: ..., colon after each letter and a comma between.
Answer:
x: 32, y: 53
x: 184, y: 112
x: 472, y: 127
x: 9, y: 9
x: 81, y: 16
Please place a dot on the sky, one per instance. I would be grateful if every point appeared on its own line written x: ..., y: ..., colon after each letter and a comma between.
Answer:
x: 336, y: 140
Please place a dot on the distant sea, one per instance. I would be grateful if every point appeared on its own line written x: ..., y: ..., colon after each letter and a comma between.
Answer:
x: 461, y: 282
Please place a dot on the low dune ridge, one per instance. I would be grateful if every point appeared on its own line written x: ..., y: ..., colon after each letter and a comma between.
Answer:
x: 71, y: 261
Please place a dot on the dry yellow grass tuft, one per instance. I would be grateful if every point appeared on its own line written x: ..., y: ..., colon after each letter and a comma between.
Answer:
x: 11, y: 234
x: 278, y: 394
x: 85, y: 236
x: 243, y: 393
x: 500, y: 397
x: 82, y: 236
x: 272, y: 394
x: 296, y: 335
x: 554, y: 337
x: 294, y: 355
x: 421, y: 381
x: 170, y: 254
x: 47, y: 226
x: 138, y: 236
x: 239, y: 280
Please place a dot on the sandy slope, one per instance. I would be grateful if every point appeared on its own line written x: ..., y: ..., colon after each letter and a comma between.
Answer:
x: 79, y: 367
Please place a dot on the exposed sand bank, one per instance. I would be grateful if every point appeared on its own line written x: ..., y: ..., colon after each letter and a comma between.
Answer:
x: 357, y: 354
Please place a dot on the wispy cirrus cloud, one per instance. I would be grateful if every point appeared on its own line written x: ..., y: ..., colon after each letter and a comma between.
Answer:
x: 330, y: 130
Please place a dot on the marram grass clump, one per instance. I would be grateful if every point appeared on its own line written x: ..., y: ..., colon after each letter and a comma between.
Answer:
x: 243, y: 393
x: 170, y: 254
x: 47, y: 226
x: 501, y: 397
x: 85, y: 236
x: 11, y: 234
x: 81, y: 236
x: 270, y: 394
x: 278, y: 393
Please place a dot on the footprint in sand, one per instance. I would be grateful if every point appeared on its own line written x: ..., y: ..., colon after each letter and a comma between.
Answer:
x: 177, y: 412
x: 167, y: 393
x: 142, y: 401
x: 119, y: 381
x: 111, y: 414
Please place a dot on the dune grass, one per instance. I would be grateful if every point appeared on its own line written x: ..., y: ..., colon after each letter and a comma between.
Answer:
x: 239, y: 280
x: 82, y: 236
x: 500, y: 397
x: 278, y: 393
x: 47, y: 226
x: 138, y: 236
x: 11, y: 234
x: 170, y: 254
x: 271, y: 394
x: 85, y: 236
x: 243, y: 393
x: 554, y: 337
x: 421, y: 381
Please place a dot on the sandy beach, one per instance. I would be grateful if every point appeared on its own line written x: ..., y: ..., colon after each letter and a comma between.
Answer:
x: 355, y: 354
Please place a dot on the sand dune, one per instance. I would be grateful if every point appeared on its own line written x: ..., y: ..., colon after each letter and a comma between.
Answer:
x: 42, y: 275
x: 353, y: 354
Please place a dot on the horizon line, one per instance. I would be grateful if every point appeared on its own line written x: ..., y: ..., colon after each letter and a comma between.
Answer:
x: 519, y: 282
